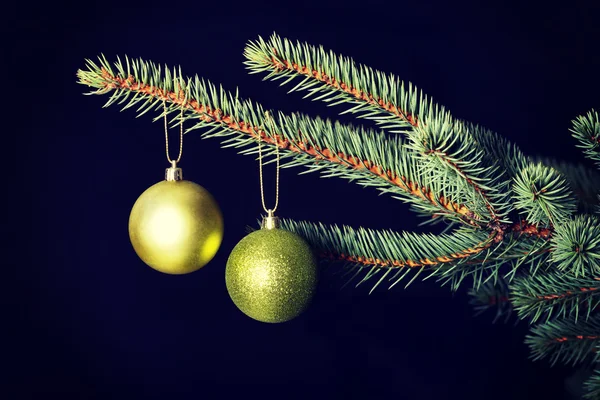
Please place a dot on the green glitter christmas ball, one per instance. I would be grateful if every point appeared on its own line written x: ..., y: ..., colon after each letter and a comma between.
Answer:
x: 271, y: 275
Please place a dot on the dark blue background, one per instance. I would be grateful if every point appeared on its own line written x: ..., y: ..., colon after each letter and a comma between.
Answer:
x: 86, y: 319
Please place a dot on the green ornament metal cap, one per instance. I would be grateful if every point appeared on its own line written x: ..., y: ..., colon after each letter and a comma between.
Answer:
x: 270, y: 221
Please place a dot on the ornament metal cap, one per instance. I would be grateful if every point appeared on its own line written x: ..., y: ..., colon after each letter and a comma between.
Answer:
x: 173, y: 173
x: 270, y: 221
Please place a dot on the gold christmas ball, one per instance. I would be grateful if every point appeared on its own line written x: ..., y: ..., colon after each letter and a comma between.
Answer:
x: 176, y: 227
x: 271, y: 275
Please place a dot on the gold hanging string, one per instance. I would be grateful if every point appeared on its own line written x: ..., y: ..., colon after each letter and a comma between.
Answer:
x: 260, y: 170
x: 173, y: 162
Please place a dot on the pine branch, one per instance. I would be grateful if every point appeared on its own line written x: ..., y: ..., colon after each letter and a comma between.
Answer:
x: 383, y: 252
x: 513, y: 252
x: 449, y: 149
x: 592, y: 385
x: 576, y: 246
x: 565, y: 339
x: 369, y: 157
x: 449, y: 257
x: 543, y: 195
x: 586, y: 129
x: 446, y: 143
x: 504, y: 152
x: 583, y: 181
x: 389, y: 103
x: 555, y: 294
x: 492, y: 296
x: 443, y: 167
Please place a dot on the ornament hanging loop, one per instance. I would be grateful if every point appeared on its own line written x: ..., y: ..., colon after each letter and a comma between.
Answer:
x: 273, y: 220
x: 173, y: 173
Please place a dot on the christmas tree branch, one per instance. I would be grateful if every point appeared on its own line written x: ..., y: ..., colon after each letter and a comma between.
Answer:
x: 592, y: 385
x: 555, y: 294
x: 445, y: 143
x: 441, y: 150
x: 383, y: 251
x: 583, y: 181
x: 576, y: 246
x: 512, y: 252
x: 359, y: 153
x: 542, y: 195
x: 504, y: 152
x: 565, y: 339
x: 371, y: 158
x: 389, y: 102
x: 511, y: 209
x: 492, y: 295
x: 586, y: 129
x: 450, y: 257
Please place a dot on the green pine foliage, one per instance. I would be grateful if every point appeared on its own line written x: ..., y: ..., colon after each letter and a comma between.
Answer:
x: 586, y: 129
x: 565, y: 340
x: 583, y: 181
x: 592, y: 386
x: 520, y: 228
x: 576, y: 246
x: 555, y: 294
x: 542, y: 195
x: 394, y: 250
x: 492, y: 296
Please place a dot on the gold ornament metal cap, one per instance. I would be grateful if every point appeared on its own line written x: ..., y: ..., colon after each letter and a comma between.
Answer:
x: 173, y: 173
x: 270, y: 221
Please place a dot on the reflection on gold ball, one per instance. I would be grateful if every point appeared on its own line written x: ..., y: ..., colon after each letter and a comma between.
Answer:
x: 271, y: 275
x: 176, y: 227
